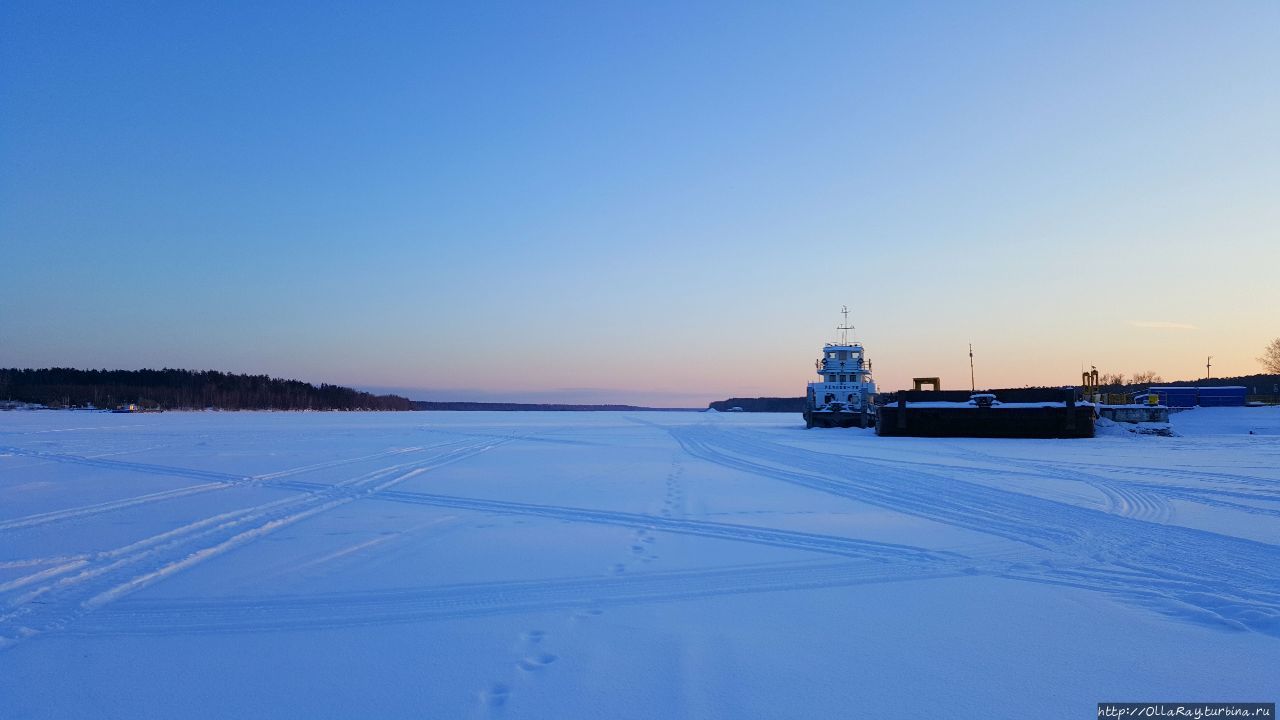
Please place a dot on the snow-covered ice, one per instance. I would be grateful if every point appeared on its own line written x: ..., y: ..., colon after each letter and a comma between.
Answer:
x: 627, y: 565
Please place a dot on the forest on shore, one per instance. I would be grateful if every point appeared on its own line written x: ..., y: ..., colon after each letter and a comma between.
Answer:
x: 170, y: 389
x: 535, y: 407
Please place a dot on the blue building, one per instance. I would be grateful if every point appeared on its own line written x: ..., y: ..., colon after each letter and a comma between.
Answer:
x: 1207, y: 396
x: 1222, y: 396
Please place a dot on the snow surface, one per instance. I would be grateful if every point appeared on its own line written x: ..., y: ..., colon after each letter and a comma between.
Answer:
x: 628, y: 565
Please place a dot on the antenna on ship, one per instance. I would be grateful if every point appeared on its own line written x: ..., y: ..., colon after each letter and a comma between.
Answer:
x: 845, y: 327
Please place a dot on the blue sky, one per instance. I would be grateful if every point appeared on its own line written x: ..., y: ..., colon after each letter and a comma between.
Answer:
x: 663, y: 203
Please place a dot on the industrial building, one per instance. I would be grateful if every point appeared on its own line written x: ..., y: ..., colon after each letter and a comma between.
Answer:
x: 1190, y: 396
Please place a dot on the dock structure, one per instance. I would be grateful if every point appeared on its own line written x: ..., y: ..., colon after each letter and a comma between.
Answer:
x: 1016, y: 414
x: 1135, y: 413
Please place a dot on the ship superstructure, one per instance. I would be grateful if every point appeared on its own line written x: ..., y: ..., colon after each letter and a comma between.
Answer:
x: 845, y: 395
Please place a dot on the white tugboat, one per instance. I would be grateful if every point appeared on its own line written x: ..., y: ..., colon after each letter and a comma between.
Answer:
x: 846, y: 395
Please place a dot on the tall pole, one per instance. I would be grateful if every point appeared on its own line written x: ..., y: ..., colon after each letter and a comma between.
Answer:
x: 1207, y: 366
x: 973, y: 386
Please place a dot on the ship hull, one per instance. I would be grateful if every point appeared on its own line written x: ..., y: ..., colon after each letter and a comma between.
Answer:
x: 838, y: 418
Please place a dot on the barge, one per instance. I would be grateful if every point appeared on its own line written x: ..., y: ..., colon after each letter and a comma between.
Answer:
x: 1055, y: 414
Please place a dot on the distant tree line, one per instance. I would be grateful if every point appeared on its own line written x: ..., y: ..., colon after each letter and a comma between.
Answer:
x: 170, y: 389
x: 760, y: 404
x: 1119, y: 381
x: 542, y: 407
x: 1262, y: 384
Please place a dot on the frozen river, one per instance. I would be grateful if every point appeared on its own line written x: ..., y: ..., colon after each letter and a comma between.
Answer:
x: 627, y: 565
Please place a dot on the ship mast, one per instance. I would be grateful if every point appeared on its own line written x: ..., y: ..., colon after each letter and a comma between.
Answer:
x: 845, y: 327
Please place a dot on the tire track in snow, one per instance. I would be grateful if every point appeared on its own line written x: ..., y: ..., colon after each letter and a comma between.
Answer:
x: 33, y: 562
x: 222, y: 481
x: 1122, y: 499
x: 1252, y: 485
x: 79, y: 587
x: 1218, y: 498
x: 1272, y: 485
x: 1117, y: 499
x: 1183, y: 572
x: 87, y: 510
x: 135, y: 617
x: 967, y: 505
x: 76, y: 429
x: 1222, y: 490
x: 147, y: 468
x: 789, y: 539
x: 1143, y: 501
x: 1150, y: 500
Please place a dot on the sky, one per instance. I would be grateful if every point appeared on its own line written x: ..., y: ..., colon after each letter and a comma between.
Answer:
x: 660, y: 203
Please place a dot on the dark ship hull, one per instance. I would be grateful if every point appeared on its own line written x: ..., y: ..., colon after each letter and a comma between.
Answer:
x: 862, y: 418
